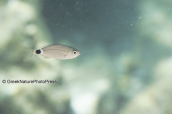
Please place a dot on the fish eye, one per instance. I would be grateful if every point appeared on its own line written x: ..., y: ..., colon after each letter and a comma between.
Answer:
x: 74, y: 52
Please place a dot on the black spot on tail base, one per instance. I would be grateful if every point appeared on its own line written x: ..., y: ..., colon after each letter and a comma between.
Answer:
x: 38, y: 51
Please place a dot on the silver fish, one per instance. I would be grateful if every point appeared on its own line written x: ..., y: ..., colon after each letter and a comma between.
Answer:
x: 58, y: 51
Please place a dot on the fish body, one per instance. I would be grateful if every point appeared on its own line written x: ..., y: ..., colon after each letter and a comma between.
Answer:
x: 58, y: 51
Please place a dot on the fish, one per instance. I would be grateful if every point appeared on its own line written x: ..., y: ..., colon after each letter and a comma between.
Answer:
x: 57, y: 51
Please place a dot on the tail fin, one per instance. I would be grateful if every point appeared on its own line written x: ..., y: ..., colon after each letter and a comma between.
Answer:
x: 29, y: 55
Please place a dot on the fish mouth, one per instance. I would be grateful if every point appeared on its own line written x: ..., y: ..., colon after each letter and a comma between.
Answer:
x: 79, y: 52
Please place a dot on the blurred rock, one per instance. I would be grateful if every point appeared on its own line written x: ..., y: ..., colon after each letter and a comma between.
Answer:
x: 22, y: 26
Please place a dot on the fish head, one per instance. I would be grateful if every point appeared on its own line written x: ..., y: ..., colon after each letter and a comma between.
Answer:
x: 72, y: 53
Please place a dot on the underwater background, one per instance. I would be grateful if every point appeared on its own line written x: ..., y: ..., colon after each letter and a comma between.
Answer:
x: 125, y: 66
